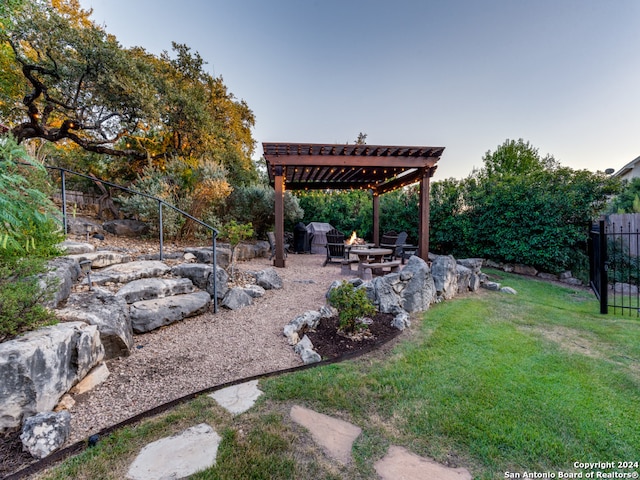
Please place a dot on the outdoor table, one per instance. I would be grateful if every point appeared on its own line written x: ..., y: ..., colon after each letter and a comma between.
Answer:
x: 364, y: 254
x: 348, y: 247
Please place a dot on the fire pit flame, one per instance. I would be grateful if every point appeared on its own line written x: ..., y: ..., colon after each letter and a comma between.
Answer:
x: 354, y: 240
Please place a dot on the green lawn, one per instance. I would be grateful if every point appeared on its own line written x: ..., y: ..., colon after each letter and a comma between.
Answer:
x: 492, y: 382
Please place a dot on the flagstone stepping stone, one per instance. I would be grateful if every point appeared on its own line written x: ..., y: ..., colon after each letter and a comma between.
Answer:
x: 335, y: 436
x: 177, y: 456
x: 401, y: 463
x: 238, y: 398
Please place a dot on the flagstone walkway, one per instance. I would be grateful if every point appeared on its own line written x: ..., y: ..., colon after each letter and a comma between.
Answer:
x: 196, y: 448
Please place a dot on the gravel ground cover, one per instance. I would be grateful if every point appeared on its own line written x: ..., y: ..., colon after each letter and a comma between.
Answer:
x: 207, y: 350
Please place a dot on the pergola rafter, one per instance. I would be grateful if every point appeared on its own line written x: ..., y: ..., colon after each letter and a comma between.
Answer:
x: 379, y: 168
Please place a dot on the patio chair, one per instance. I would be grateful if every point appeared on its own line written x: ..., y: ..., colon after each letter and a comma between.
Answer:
x: 271, y: 236
x: 335, y: 247
x: 400, y: 242
x: 388, y: 240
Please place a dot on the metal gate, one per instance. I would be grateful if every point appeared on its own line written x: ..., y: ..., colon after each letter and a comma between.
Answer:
x: 614, y: 267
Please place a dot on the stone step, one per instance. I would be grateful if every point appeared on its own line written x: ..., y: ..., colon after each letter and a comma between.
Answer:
x: 152, y: 288
x: 102, y: 258
x: 130, y: 271
x: 148, y: 315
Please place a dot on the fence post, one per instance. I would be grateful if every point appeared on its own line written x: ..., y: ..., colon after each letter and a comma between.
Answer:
x: 161, y: 230
x: 64, y: 203
x: 604, y: 280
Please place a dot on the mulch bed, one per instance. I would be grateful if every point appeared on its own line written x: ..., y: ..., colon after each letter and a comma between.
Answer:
x: 330, y: 343
x: 12, y: 457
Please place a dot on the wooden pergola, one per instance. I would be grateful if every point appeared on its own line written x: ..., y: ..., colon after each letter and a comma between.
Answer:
x: 379, y: 168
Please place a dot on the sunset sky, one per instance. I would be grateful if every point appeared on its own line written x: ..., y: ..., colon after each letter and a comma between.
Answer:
x: 462, y: 74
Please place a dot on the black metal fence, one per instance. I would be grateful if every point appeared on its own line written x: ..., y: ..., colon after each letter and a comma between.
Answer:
x: 614, y: 261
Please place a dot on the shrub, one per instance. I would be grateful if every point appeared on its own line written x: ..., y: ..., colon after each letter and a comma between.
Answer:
x: 255, y: 204
x: 21, y: 297
x: 27, y: 224
x: 352, y: 304
x: 157, y: 184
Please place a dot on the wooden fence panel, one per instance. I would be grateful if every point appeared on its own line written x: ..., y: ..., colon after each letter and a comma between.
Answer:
x: 625, y: 224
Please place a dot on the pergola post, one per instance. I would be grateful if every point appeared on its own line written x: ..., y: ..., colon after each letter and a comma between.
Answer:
x: 423, y: 241
x: 279, y: 261
x: 376, y: 218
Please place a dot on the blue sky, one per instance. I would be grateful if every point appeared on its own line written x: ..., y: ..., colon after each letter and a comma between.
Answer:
x: 462, y: 74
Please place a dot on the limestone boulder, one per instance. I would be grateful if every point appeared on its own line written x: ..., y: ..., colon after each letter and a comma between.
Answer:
x: 126, y: 228
x: 420, y: 290
x: 445, y: 278
x: 247, y: 251
x: 148, y: 315
x: 254, y: 291
x: 205, y: 255
x: 39, y: 367
x: 95, y: 377
x: 130, y: 271
x: 78, y: 226
x: 45, y: 432
x: 464, y: 278
x: 69, y: 247
x: 268, y: 279
x: 62, y: 273
x: 493, y: 286
x: 475, y: 281
x: 222, y: 283
x: 401, y: 321
x: 236, y: 298
x: 261, y: 248
x: 473, y: 264
x: 109, y: 313
x: 304, y: 348
x: 151, y: 288
x: 198, y: 273
x: 387, y: 293
x: 521, y: 269
x: 102, y: 258
x: 301, y: 323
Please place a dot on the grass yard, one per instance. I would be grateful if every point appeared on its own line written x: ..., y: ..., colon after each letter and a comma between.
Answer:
x: 492, y: 382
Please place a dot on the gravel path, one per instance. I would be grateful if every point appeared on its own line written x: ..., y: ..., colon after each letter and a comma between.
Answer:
x: 205, y: 351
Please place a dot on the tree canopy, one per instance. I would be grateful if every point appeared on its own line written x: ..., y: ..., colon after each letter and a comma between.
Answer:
x: 519, y: 208
x: 65, y: 79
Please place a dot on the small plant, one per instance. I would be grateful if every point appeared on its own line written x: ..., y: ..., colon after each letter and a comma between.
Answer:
x: 235, y: 232
x: 352, y: 304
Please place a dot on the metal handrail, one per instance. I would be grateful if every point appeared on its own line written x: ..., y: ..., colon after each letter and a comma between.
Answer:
x: 161, y: 203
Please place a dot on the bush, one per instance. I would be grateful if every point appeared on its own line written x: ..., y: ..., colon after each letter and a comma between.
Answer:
x: 21, y: 297
x: 255, y: 204
x: 29, y: 234
x: 344, y: 210
x: 27, y: 222
x: 196, y: 187
x: 352, y: 304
